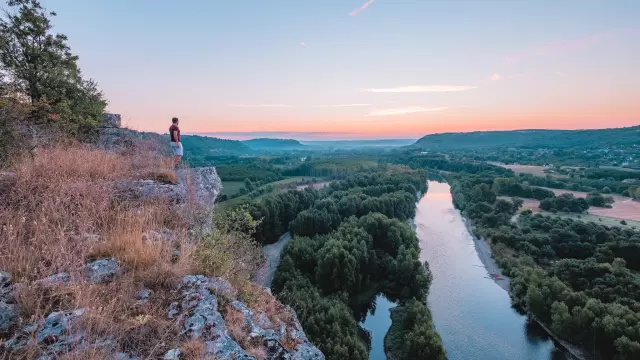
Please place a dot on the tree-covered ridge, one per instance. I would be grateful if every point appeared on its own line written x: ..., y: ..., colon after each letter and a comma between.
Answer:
x: 350, y: 243
x: 274, y: 144
x: 579, y: 278
x: 593, y: 148
x: 201, y: 148
x: 567, y: 139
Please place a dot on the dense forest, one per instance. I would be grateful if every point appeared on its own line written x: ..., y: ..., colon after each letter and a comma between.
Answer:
x: 522, y: 139
x: 350, y: 243
x: 274, y: 144
x: 592, y: 148
x: 580, y: 278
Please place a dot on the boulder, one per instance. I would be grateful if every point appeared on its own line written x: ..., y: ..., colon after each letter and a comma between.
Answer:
x: 8, y: 316
x: 102, y: 271
x: 62, y: 278
x: 202, y: 320
x: 111, y: 121
x: 8, y: 309
x: 173, y: 354
x: 143, y: 296
x: 53, y: 335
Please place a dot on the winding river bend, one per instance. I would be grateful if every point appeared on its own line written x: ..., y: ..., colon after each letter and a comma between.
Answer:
x: 472, y: 313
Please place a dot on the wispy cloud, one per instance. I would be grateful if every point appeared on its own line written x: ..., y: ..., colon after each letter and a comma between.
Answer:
x: 496, y: 77
x: 361, y: 8
x: 567, y: 46
x: 418, y: 89
x: 302, y: 43
x: 251, y: 106
x: 340, y: 105
x: 404, y: 110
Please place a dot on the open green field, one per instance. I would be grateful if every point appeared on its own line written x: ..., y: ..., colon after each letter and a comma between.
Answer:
x: 290, y: 180
x: 231, y: 187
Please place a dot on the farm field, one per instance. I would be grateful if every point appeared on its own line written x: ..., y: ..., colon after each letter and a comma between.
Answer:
x: 526, y: 169
x: 623, y: 208
x: 604, y: 220
x: 232, y: 187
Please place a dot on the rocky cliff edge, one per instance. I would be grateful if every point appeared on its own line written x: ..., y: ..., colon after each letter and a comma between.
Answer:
x: 122, y: 302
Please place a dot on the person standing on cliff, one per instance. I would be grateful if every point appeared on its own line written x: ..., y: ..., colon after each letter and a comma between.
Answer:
x: 176, y: 144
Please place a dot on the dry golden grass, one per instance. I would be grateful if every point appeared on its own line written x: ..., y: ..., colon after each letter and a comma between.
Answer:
x: 62, y: 209
x: 261, y: 301
x: 236, y: 325
x: 59, y: 212
x: 193, y: 349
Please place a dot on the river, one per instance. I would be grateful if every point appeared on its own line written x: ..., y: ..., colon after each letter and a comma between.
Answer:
x: 472, y: 313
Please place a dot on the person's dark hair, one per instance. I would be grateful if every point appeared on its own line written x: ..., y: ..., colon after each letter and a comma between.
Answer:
x: 174, y: 120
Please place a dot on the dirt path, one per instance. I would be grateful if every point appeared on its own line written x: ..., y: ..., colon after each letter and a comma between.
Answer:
x: 264, y: 276
x: 317, y: 186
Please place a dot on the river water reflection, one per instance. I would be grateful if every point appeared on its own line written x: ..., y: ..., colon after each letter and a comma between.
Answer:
x: 472, y: 314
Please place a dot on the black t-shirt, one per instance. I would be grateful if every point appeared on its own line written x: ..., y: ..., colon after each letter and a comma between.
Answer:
x: 175, y: 128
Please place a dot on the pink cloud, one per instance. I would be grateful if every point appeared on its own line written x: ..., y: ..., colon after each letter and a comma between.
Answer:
x: 361, y: 8
x: 496, y: 77
x: 302, y: 43
x: 567, y: 46
x: 404, y: 110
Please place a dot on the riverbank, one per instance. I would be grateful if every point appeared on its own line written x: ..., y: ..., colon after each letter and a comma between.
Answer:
x: 484, y: 253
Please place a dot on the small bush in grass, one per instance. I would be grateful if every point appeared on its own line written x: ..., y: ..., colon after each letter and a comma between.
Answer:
x: 228, y: 250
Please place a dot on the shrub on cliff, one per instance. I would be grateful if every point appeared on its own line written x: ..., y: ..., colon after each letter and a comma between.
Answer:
x: 229, y: 250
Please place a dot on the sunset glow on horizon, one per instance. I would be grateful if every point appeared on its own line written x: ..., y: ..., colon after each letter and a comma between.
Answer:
x: 357, y: 69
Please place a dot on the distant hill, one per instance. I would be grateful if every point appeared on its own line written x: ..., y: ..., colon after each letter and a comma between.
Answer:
x: 600, y: 138
x: 195, y: 145
x: 273, y: 144
x: 349, y: 144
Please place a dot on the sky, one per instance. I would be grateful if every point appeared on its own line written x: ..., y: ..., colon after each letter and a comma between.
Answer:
x: 358, y: 69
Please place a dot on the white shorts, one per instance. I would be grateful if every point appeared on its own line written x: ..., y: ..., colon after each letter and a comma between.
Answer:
x: 176, y: 148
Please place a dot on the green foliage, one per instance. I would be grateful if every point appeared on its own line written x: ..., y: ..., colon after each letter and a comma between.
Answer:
x: 579, y: 278
x: 228, y: 249
x: 274, y: 144
x: 38, y: 66
x: 412, y: 336
x: 596, y: 199
x: 336, y: 166
x: 565, y: 203
x: 566, y: 141
x: 577, y: 183
x: 352, y: 242
x: 204, y: 151
x: 516, y: 187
